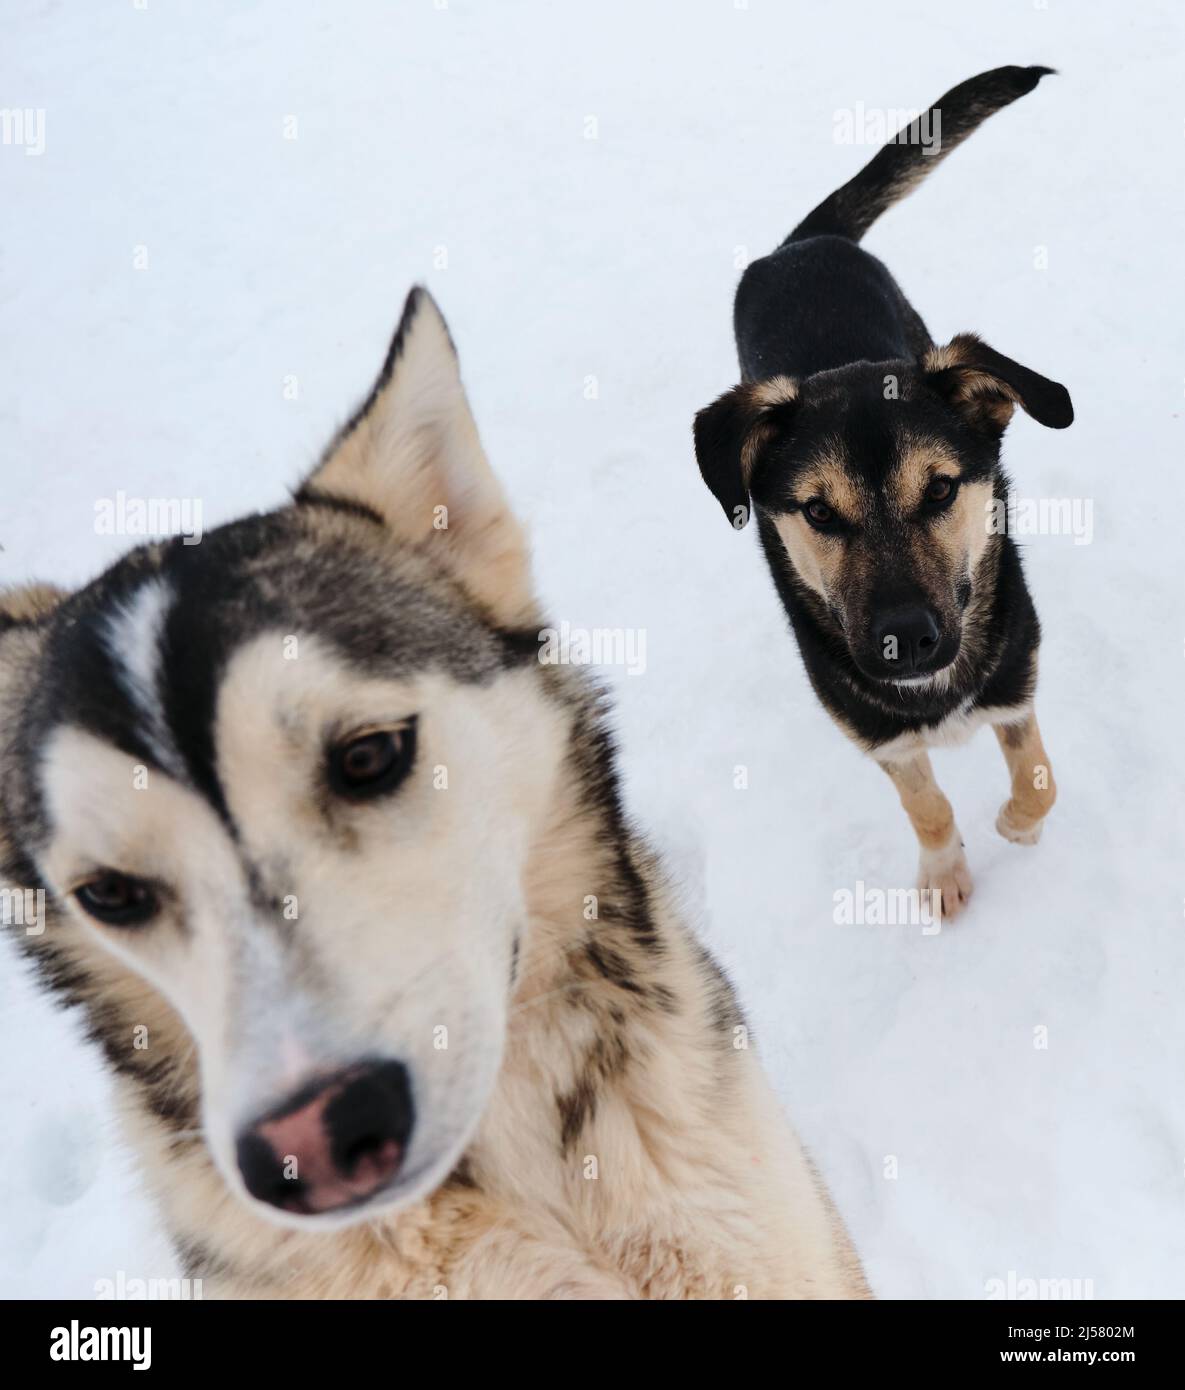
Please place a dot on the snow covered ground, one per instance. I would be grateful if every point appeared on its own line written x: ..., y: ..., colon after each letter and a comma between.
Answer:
x: 233, y: 200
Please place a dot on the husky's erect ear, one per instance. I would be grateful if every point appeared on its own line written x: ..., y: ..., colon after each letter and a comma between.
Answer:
x: 985, y: 387
x: 412, y: 456
x: 731, y: 433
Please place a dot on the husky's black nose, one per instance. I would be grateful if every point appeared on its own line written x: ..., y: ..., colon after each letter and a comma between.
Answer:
x: 907, y: 639
x: 332, y: 1144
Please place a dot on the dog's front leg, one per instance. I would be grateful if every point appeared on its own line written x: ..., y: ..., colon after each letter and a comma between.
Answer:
x: 942, y: 867
x: 1033, y: 790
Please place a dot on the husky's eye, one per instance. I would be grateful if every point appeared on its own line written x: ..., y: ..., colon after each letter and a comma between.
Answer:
x: 819, y: 514
x: 371, y: 764
x: 118, y: 899
x: 941, y: 490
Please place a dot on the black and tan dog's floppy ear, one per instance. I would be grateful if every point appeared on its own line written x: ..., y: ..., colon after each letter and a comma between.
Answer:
x: 731, y: 433
x: 985, y: 386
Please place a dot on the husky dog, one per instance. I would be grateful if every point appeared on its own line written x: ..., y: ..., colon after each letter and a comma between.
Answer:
x: 397, y: 1003
x: 872, y: 460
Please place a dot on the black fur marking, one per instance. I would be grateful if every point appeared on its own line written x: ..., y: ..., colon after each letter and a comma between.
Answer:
x: 174, y: 1108
x: 462, y: 1176
x: 162, y: 1090
x: 309, y: 496
x: 725, y: 1009
x: 613, y: 966
x: 605, y: 1060
x: 665, y: 997
x: 78, y: 681
x: 198, y: 1261
x: 65, y: 981
x: 194, y: 651
x: 595, y: 757
x: 8, y: 621
x: 577, y: 1108
x: 520, y: 646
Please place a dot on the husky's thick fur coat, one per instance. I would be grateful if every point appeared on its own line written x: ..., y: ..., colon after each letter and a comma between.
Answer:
x: 397, y: 1003
x: 872, y: 460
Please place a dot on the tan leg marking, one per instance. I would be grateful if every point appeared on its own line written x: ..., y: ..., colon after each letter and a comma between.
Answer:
x: 942, y: 866
x: 1033, y: 787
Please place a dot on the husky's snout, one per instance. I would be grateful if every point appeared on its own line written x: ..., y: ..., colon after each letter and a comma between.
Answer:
x: 334, y: 1143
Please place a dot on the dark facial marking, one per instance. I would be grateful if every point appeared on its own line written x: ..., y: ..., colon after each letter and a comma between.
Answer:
x: 309, y: 496
x: 605, y: 1059
x: 613, y: 966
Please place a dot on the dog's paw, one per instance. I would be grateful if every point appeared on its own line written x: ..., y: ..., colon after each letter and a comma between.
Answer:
x: 1013, y: 830
x: 945, y: 872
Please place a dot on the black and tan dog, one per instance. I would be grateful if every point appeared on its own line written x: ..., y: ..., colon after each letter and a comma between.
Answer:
x: 872, y: 460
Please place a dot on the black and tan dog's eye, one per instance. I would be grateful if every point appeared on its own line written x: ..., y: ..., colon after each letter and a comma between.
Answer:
x: 118, y: 899
x: 373, y: 763
x: 941, y: 490
x: 819, y: 514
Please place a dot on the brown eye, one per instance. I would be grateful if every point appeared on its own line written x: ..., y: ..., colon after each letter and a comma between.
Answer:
x: 819, y: 514
x: 941, y: 489
x: 373, y: 763
x: 118, y: 899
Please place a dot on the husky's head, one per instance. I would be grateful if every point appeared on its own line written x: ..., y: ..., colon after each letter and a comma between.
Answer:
x: 288, y: 779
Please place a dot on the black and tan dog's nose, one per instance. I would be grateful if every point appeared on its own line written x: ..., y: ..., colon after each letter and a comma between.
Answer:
x: 907, y: 639
x: 333, y: 1144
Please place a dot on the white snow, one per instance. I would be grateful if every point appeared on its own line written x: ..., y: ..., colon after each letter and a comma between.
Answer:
x: 424, y: 132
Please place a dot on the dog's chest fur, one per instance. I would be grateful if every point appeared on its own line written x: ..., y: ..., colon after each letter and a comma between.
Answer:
x: 632, y: 1147
x: 953, y: 731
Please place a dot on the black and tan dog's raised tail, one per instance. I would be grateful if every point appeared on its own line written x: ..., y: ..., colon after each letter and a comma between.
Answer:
x: 898, y: 167
x: 870, y: 456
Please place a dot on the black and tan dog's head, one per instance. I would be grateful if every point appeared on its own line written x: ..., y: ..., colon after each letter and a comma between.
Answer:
x: 875, y: 483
